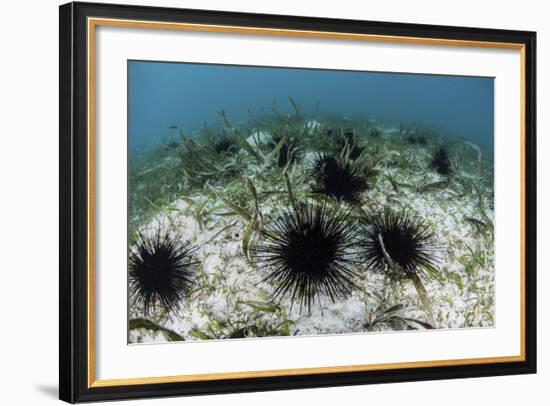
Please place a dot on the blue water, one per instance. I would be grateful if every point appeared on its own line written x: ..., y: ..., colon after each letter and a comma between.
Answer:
x: 188, y: 95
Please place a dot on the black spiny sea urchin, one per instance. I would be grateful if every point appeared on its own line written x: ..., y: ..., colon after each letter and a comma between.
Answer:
x: 338, y: 178
x: 397, y: 240
x: 161, y: 271
x: 309, y: 252
x: 226, y: 145
x: 287, y: 148
x: 416, y: 140
x: 440, y: 161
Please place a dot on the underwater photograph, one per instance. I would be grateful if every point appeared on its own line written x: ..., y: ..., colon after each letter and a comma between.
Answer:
x: 274, y: 201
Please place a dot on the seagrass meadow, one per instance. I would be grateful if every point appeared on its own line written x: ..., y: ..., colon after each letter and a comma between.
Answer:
x: 297, y: 219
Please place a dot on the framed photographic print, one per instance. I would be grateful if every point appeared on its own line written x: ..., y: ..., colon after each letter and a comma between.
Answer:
x: 257, y: 202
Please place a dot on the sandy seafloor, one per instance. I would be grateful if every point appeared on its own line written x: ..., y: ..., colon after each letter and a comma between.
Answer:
x: 229, y: 296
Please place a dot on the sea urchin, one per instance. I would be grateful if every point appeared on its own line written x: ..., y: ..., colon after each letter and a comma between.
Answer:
x: 338, y: 178
x: 161, y: 270
x: 287, y: 149
x: 226, y: 145
x: 397, y: 241
x: 440, y: 161
x: 308, y: 251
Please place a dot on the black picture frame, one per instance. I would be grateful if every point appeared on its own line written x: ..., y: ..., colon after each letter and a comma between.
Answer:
x: 73, y: 285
